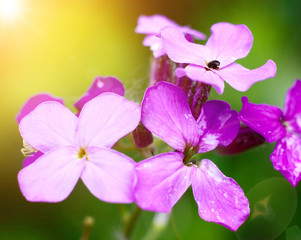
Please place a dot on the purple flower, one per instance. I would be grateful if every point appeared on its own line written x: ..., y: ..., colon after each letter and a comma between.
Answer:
x: 163, y: 179
x: 152, y: 26
x: 214, y: 63
x: 283, y: 127
x: 79, y: 147
x: 100, y: 85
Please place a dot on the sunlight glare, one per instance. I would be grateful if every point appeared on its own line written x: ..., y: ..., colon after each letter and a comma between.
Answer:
x: 9, y: 9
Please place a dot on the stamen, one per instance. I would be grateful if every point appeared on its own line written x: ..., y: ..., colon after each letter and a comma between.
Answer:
x: 188, y: 159
x: 27, y: 149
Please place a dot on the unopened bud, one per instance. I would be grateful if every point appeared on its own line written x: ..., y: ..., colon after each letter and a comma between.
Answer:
x: 142, y: 136
x: 162, y: 69
x: 245, y: 140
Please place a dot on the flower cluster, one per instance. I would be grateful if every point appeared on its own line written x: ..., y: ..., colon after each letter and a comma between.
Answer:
x: 61, y: 147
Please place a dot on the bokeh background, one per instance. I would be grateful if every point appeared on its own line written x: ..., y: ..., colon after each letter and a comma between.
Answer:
x: 59, y: 46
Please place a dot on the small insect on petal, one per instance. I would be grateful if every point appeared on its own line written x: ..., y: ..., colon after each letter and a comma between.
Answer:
x: 214, y: 64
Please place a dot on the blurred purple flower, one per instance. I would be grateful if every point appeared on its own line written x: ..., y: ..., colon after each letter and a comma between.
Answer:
x: 283, y: 127
x: 163, y: 179
x: 79, y: 147
x: 152, y: 26
x: 213, y: 63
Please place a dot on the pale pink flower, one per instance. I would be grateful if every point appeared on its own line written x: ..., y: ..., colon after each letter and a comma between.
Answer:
x: 79, y: 147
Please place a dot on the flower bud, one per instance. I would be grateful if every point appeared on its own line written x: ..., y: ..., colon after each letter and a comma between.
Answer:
x: 246, y: 139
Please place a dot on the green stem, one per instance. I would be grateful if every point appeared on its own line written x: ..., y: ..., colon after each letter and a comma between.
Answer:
x: 88, y: 223
x: 131, y: 222
x: 159, y: 223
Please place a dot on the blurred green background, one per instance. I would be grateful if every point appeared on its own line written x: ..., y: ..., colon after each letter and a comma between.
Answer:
x: 60, y: 46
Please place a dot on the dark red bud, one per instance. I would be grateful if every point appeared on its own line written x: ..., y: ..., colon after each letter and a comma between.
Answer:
x: 245, y: 140
x: 142, y: 136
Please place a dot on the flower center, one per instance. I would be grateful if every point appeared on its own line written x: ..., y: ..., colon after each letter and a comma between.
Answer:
x: 189, y: 159
x: 214, y: 64
x: 82, y: 153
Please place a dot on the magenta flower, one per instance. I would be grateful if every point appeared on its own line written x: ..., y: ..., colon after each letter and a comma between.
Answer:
x: 100, y: 85
x: 152, y: 26
x: 283, y: 127
x: 214, y: 63
x: 163, y: 179
x: 79, y: 147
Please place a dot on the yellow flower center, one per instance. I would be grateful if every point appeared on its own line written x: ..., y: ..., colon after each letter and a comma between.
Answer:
x: 82, y: 153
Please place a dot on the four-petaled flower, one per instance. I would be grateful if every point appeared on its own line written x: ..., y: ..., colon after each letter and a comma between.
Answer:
x: 152, y: 26
x: 283, y: 127
x: 100, y: 85
x: 213, y: 63
x: 163, y: 179
x: 79, y: 147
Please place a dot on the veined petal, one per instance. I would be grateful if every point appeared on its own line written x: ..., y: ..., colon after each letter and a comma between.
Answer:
x: 180, y: 50
x: 109, y: 175
x: 218, y: 124
x: 161, y: 181
x: 48, y: 126
x: 292, y: 107
x: 34, y: 101
x: 52, y: 177
x: 219, y: 198
x: 166, y: 113
x: 100, y: 85
x: 105, y: 119
x: 263, y: 118
x: 241, y: 78
x: 286, y: 157
x: 229, y: 42
x: 198, y: 73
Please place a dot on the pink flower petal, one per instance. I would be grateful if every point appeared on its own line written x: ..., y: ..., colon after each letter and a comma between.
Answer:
x: 153, y: 24
x: 49, y: 126
x: 105, y: 119
x: 200, y: 74
x: 264, y: 119
x: 155, y: 44
x: 286, y: 157
x: 109, y: 175
x: 52, y: 177
x: 218, y: 125
x: 34, y: 101
x: 292, y: 107
x: 100, y: 85
x: 161, y: 181
x: 166, y: 113
x: 31, y: 159
x: 219, y: 198
x: 241, y: 78
x: 180, y: 50
x: 229, y: 42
